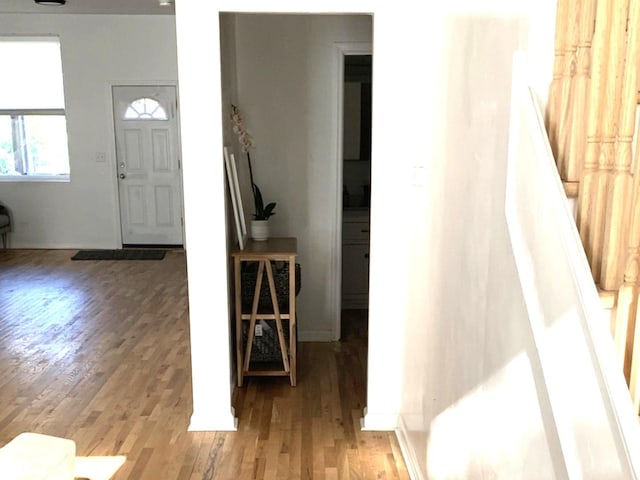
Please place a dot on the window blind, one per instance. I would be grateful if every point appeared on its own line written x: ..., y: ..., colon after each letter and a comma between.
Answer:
x: 32, y: 74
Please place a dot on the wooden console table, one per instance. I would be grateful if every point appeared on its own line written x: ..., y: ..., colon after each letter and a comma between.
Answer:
x: 278, y: 249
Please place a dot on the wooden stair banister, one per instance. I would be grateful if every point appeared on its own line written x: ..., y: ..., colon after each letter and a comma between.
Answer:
x: 591, y: 120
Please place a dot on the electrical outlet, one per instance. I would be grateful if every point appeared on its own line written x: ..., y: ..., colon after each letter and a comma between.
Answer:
x: 101, y: 157
x: 258, y: 330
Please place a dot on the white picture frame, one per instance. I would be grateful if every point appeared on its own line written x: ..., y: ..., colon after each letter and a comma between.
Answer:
x: 236, y: 199
x: 234, y: 170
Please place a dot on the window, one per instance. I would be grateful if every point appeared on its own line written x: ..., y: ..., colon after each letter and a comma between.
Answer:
x: 145, y: 109
x: 33, y: 127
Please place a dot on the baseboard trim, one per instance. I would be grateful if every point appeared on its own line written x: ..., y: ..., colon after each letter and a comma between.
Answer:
x: 408, y: 453
x: 204, y: 423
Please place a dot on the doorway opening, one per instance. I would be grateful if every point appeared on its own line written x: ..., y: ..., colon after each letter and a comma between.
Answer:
x: 355, y: 164
x: 296, y: 120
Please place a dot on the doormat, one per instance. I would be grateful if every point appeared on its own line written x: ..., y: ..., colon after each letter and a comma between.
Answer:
x: 119, y: 255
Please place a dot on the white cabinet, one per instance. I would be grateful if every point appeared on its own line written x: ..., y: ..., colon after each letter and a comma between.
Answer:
x: 355, y: 259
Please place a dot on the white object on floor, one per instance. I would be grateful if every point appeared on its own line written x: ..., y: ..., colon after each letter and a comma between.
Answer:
x: 98, y: 468
x: 32, y: 456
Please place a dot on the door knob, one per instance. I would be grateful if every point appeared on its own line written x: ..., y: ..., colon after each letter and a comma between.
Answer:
x: 122, y: 175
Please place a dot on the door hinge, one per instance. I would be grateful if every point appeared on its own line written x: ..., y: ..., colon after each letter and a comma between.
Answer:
x: 182, y: 221
x: 179, y: 164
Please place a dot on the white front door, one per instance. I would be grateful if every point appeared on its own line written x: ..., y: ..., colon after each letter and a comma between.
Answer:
x: 148, y: 167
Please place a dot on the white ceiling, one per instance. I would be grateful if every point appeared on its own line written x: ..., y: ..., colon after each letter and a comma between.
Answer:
x: 124, y: 7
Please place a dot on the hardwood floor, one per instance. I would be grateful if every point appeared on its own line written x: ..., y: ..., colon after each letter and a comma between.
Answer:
x: 98, y: 352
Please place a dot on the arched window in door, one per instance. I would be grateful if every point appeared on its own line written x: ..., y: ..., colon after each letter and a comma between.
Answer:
x: 145, y: 109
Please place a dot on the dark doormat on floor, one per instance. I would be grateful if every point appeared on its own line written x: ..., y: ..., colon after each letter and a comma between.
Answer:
x: 119, y: 255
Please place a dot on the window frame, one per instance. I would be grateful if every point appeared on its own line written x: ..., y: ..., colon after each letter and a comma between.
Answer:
x: 145, y: 116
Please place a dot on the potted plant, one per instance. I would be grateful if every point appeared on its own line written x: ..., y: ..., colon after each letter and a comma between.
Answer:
x: 259, y: 225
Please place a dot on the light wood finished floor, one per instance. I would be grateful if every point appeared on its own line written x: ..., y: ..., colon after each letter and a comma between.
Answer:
x: 98, y: 352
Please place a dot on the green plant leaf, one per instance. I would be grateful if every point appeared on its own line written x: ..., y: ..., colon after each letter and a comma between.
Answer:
x: 258, y: 201
x: 268, y: 210
x: 262, y: 212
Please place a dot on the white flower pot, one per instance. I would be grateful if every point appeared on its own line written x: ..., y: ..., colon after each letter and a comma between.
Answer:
x: 259, y: 230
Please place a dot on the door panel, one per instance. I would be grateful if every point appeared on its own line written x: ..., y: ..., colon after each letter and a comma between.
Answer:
x: 149, y: 181
x: 161, y: 147
x: 164, y: 200
x: 133, y: 155
x: 135, y: 200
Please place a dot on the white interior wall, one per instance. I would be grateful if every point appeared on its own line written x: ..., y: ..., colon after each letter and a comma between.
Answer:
x: 97, y: 51
x: 287, y: 85
x: 469, y: 390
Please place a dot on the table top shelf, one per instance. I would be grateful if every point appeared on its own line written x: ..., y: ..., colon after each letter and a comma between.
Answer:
x: 266, y: 316
x: 281, y: 247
